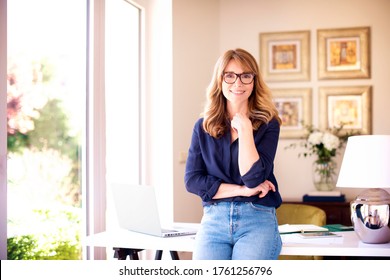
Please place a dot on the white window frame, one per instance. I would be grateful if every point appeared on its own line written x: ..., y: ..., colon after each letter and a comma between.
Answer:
x: 95, y: 151
x: 3, y: 129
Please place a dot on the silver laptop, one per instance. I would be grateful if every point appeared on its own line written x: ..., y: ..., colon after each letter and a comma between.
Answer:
x: 137, y: 210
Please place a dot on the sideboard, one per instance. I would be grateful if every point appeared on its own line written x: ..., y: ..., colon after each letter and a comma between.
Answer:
x: 336, y: 212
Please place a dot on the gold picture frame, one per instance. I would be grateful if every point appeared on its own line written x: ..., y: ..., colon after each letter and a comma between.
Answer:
x: 294, y: 107
x: 285, y: 56
x: 349, y: 106
x: 344, y: 53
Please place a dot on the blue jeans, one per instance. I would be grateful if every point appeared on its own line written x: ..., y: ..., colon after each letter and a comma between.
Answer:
x: 237, y: 231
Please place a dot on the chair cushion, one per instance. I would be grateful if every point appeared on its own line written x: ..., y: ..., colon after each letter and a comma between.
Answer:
x: 289, y: 213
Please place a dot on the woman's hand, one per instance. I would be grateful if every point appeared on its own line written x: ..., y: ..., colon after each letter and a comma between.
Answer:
x: 241, y: 123
x: 261, y: 190
x: 232, y: 190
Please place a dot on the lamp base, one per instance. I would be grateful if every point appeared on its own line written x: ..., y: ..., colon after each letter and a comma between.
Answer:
x: 370, y: 216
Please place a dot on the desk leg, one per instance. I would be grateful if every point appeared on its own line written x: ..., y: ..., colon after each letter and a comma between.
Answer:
x: 122, y: 253
x: 174, y: 255
x: 158, y: 255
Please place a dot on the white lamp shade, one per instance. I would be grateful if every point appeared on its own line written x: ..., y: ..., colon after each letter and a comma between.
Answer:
x: 366, y: 162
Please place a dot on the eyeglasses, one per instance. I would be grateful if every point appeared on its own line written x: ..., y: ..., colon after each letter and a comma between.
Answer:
x: 231, y: 77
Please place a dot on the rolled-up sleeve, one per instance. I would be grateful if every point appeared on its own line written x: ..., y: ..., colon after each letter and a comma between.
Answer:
x: 266, y: 140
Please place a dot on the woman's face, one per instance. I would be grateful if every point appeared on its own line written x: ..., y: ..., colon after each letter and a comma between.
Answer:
x: 236, y: 92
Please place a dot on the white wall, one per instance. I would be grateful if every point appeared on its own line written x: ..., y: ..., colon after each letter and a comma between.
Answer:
x: 272, y: 16
x: 195, y: 48
x: 204, y: 29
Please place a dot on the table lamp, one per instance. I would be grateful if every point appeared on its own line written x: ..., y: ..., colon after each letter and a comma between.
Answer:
x: 366, y: 164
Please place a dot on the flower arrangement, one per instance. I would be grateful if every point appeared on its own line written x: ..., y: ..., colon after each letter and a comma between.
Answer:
x: 324, y: 145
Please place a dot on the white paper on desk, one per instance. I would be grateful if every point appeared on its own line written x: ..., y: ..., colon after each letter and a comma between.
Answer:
x: 295, y: 238
x: 291, y: 228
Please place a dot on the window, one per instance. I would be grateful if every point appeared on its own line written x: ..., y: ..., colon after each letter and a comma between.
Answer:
x: 122, y: 98
x: 46, y: 76
x: 122, y: 93
x: 63, y: 66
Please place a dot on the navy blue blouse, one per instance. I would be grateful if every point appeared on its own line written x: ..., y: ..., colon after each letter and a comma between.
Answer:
x: 214, y: 161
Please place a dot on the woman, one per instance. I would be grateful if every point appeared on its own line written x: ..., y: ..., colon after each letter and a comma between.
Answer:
x: 231, y: 161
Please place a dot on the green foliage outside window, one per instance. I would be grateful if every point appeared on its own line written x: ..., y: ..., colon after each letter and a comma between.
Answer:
x: 41, y: 140
x: 56, y: 238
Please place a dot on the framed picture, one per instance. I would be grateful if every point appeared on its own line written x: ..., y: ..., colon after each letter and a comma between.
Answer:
x: 284, y: 56
x: 347, y: 106
x: 344, y: 53
x: 294, y: 107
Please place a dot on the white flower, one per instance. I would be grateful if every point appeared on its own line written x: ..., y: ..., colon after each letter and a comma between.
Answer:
x: 315, y: 138
x: 330, y: 141
x: 322, y: 144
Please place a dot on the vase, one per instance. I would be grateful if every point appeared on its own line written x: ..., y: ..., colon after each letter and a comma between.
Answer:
x: 324, y: 175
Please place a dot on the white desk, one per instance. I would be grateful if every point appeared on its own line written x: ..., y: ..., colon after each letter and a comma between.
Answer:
x: 347, y: 245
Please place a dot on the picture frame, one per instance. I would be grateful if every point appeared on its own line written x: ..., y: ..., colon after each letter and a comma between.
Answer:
x: 294, y: 107
x: 344, y: 53
x: 285, y: 56
x: 350, y: 106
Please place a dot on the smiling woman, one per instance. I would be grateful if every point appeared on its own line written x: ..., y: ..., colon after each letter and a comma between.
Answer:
x: 230, y: 164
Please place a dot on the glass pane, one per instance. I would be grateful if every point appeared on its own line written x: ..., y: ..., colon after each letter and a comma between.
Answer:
x: 46, y: 109
x: 122, y: 92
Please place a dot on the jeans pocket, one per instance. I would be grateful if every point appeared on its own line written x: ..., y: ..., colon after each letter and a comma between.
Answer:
x: 207, y: 208
x: 259, y: 207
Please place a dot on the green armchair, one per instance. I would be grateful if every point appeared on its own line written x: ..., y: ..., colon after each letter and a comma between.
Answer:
x: 291, y: 213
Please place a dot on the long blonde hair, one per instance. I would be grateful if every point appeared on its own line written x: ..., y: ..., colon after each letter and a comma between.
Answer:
x: 260, y: 105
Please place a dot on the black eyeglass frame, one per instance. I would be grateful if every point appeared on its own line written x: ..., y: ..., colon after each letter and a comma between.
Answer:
x: 238, y: 76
